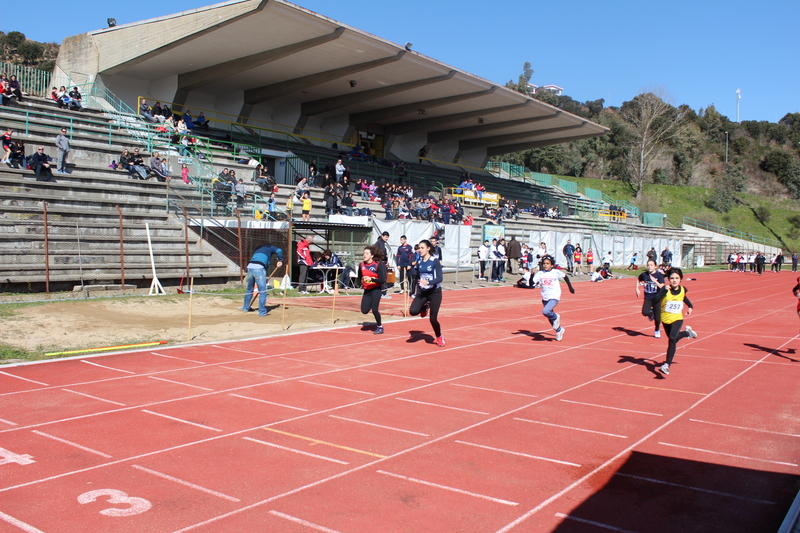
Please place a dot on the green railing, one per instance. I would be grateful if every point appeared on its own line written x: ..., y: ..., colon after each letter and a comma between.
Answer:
x: 545, y: 180
x: 33, y: 81
x: 653, y: 219
x: 594, y: 194
x: 568, y: 186
x: 732, y: 233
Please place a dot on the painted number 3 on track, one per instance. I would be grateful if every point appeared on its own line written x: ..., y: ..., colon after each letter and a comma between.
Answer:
x: 136, y: 505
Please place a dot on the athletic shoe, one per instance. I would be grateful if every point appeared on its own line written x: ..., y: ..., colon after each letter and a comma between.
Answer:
x: 560, y: 334
x: 385, y: 297
x: 657, y: 334
x: 664, y: 369
x: 303, y: 292
x: 424, y: 312
x: 248, y: 310
x: 650, y: 317
x: 691, y: 333
x: 557, y: 323
x: 378, y: 330
x: 440, y: 340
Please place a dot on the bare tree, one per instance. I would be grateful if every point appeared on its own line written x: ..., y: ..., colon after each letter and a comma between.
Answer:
x: 652, y: 124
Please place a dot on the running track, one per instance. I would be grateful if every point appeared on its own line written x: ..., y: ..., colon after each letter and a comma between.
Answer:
x: 502, y: 430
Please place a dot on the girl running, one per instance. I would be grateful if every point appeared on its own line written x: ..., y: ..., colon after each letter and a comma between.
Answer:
x: 429, y: 289
x: 670, y: 302
x: 652, y: 280
x: 548, y: 279
x: 372, y: 274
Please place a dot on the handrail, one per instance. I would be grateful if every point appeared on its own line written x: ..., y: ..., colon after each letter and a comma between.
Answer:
x: 732, y: 233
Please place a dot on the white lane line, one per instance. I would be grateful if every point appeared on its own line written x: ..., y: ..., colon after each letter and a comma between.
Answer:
x: 748, y: 429
x: 237, y: 350
x: 179, y: 383
x: 698, y: 489
x: 27, y: 528
x: 518, y: 453
x: 445, y: 487
x: 76, y: 445
x: 614, y: 408
x: 726, y: 454
x: 593, y: 523
x: 181, y: 420
x: 251, y: 372
x: 573, y: 428
x: 9, y: 422
x: 379, y: 426
x: 186, y: 483
x: 394, y: 375
x: 24, y: 379
x: 495, y: 390
x: 334, y: 387
x: 304, y: 522
x: 178, y: 358
x: 442, y: 406
x: 106, y: 367
x: 93, y: 397
x: 271, y: 403
x: 296, y: 451
x: 310, y: 362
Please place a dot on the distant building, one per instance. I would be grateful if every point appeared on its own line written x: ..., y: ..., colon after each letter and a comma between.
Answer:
x: 555, y: 89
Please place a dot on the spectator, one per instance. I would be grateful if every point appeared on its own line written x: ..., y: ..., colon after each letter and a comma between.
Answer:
x: 5, y: 93
x: 158, y: 113
x: 146, y: 111
x: 185, y: 173
x: 540, y: 253
x: 40, y: 163
x: 138, y: 163
x: 14, y: 88
x: 54, y: 95
x: 304, y: 261
x: 222, y: 193
x: 306, y: 213
x: 403, y: 259
x: 569, y: 251
x: 62, y: 98
x: 597, y: 275
x: 6, y: 137
x: 608, y: 259
x: 483, y: 256
x: 634, y: 259
x: 349, y: 204
x: 201, y: 121
x: 340, y: 169
x: 187, y: 119
x: 75, y: 99
x: 155, y: 166
x: 241, y: 193
x: 652, y: 255
x: 18, y: 155
x: 514, y: 253
x: 62, y: 143
x: 666, y: 256
x: 301, y: 188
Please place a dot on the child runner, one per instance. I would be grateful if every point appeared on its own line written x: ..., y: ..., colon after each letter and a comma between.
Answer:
x: 372, y: 274
x: 796, y: 292
x: 306, y: 207
x: 671, y: 301
x: 589, y: 260
x: 429, y: 289
x: 547, y: 279
x: 576, y: 262
x: 652, y: 280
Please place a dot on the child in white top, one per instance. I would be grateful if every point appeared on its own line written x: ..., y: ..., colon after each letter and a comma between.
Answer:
x: 548, y: 279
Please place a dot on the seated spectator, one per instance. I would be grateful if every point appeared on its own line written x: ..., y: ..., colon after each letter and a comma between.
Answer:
x: 75, y: 99
x: 15, y: 88
x: 5, y: 93
x: 181, y: 127
x: 139, y: 166
x: 222, y: 194
x: 126, y: 162
x: 158, y: 168
x: 201, y: 121
x: 166, y: 111
x: 40, y: 164
x: 158, y: 113
x: 187, y: 119
x: 18, y: 155
x: 54, y: 94
x: 146, y: 111
x: 302, y: 188
x: 526, y: 281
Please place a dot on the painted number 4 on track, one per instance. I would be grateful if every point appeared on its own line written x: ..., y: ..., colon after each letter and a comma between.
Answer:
x: 136, y: 505
x: 7, y: 457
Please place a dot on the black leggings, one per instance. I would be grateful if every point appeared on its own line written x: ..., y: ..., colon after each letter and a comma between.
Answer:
x: 674, y: 334
x: 434, y: 298
x: 648, y: 309
x: 370, y: 301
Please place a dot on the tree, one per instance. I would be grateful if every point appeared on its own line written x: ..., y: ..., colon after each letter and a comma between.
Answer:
x: 723, y: 199
x: 14, y: 39
x: 523, y: 84
x: 777, y: 162
x: 651, y: 123
x: 30, y: 51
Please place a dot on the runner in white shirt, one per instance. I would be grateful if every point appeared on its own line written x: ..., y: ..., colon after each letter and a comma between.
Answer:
x: 548, y: 279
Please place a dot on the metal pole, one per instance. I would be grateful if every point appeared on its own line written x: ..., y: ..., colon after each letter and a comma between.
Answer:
x: 186, y: 240
x: 239, y: 234
x: 121, y: 249
x: 46, y: 252
x: 80, y: 256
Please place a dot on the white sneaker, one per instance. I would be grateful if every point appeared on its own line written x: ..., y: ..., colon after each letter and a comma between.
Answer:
x: 560, y: 334
x: 557, y: 323
x: 657, y: 334
x: 664, y: 369
x: 691, y: 333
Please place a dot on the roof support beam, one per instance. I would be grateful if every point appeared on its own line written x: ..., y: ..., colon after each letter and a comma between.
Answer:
x: 499, y: 140
x: 412, y: 126
x: 266, y: 93
x: 508, y: 148
x: 460, y: 133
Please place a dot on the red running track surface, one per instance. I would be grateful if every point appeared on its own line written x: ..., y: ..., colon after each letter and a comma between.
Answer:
x: 504, y: 429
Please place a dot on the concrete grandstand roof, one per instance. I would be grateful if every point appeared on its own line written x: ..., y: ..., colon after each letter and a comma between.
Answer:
x: 270, y: 54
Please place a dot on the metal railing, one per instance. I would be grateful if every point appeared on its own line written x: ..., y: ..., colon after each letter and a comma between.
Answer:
x: 33, y: 81
x: 732, y: 233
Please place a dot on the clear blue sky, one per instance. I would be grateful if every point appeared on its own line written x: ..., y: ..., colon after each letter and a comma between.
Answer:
x: 700, y: 52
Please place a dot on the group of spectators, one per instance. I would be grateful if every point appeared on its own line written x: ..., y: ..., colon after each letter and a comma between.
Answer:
x: 40, y: 162
x: 67, y: 100
x: 755, y: 262
x: 9, y: 88
x: 226, y: 187
x: 162, y: 114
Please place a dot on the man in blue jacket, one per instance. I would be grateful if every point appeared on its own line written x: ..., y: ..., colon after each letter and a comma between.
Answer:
x: 257, y: 275
x: 404, y: 258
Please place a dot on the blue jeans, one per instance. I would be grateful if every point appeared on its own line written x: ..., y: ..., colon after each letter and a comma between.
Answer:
x: 549, y: 310
x: 256, y: 276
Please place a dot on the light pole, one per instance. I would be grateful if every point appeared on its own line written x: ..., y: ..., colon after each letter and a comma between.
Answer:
x: 726, y: 146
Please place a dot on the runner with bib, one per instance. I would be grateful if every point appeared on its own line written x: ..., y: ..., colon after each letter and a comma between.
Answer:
x: 548, y: 279
x: 670, y: 300
x: 428, y: 297
x: 650, y: 281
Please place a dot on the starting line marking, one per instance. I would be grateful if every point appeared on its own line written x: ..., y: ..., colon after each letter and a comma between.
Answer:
x: 518, y: 453
x: 379, y: 426
x: 84, y: 448
x: 718, y: 493
x: 296, y: 451
x: 748, y: 429
x: 394, y: 375
x: 186, y: 483
x: 20, y: 524
x: 265, y: 401
x: 570, y: 427
x: 593, y: 523
x: 315, y: 441
x: 445, y: 487
x: 648, y: 387
x: 334, y: 387
x: 304, y: 522
x: 494, y: 390
x: 24, y: 379
x: 442, y: 406
x: 178, y: 358
x: 614, y: 408
x: 251, y: 372
x: 106, y: 367
x: 727, y: 454
x: 9, y: 422
x: 93, y: 397
x: 181, y: 420
x: 179, y: 383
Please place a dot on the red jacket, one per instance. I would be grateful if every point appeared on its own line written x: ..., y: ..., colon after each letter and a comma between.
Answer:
x: 303, y: 253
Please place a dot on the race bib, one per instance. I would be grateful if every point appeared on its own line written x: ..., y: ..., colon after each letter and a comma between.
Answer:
x: 426, y: 278
x: 674, y: 307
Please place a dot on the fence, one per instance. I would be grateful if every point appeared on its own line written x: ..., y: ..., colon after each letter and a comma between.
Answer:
x: 733, y: 233
x: 653, y: 219
x: 33, y: 81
